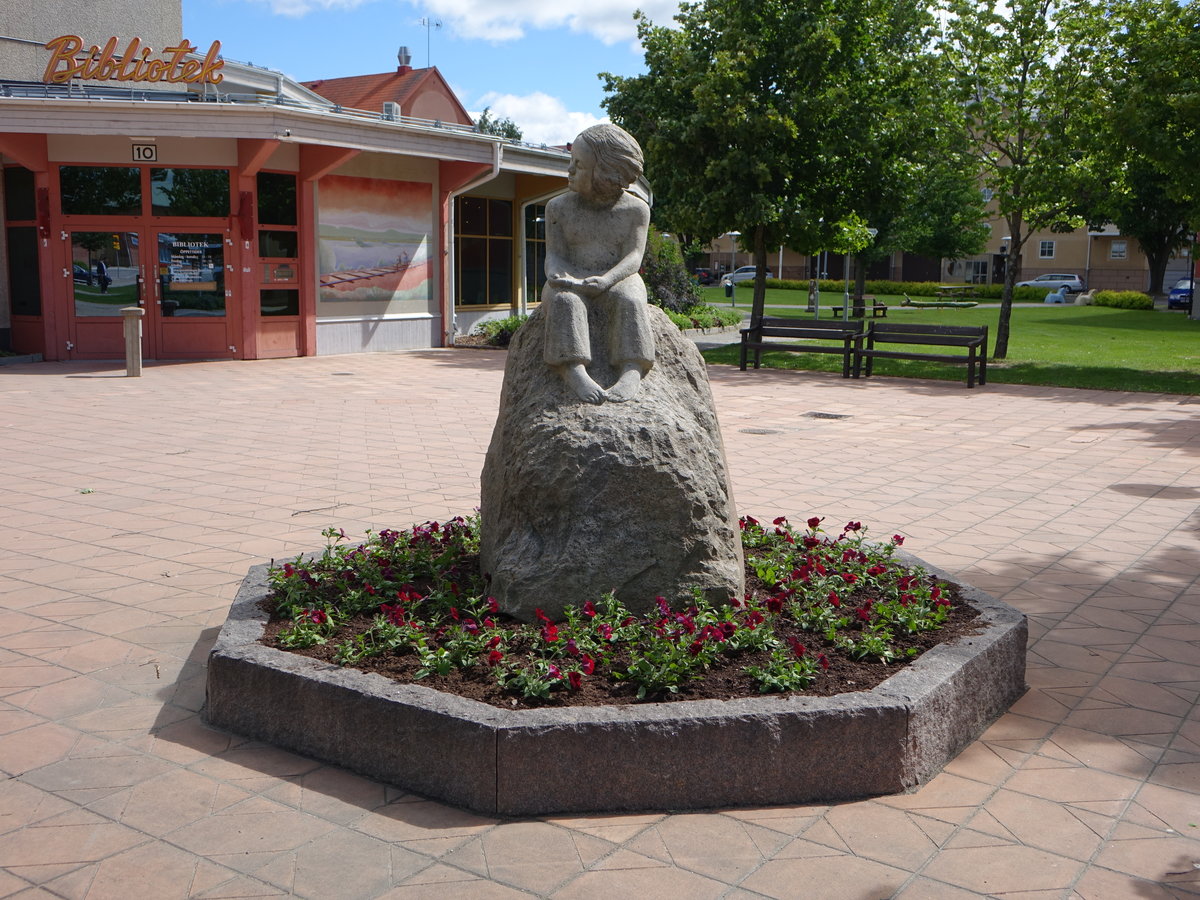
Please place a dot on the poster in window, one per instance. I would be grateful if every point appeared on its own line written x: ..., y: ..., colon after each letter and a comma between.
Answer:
x: 374, y: 246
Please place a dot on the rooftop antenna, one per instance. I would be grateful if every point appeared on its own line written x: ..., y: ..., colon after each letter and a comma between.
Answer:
x: 428, y: 24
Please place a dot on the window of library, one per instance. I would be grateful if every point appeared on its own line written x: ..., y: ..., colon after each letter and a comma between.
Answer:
x: 1117, y: 250
x: 276, y: 198
x: 20, y: 213
x: 535, y: 252
x: 1046, y: 250
x: 483, y: 251
x: 102, y: 190
x: 192, y: 193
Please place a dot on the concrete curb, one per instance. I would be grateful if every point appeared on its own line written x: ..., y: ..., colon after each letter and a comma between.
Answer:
x: 663, y: 756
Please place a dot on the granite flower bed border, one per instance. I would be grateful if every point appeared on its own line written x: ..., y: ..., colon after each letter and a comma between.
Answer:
x: 686, y: 755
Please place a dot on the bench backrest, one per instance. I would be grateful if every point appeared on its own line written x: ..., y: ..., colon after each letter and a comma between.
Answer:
x: 949, y: 335
x: 773, y: 326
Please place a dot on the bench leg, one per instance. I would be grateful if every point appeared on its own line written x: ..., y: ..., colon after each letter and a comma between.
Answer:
x: 983, y: 367
x: 971, y: 367
x: 742, y: 362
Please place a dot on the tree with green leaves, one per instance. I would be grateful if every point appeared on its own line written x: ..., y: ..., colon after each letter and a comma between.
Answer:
x: 487, y: 123
x: 759, y: 118
x: 1151, y: 189
x: 1025, y: 73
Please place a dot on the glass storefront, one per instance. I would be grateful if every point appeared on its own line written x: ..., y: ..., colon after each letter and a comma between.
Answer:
x: 191, y: 274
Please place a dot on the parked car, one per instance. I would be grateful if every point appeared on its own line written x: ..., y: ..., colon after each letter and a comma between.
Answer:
x: 705, y: 276
x: 743, y: 273
x: 1073, y: 283
x: 82, y: 275
x: 1180, y: 295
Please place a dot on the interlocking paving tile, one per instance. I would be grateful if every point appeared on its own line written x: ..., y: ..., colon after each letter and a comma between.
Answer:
x: 1077, y: 507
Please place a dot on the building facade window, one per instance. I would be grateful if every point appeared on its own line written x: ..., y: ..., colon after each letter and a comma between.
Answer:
x: 20, y: 235
x: 483, y: 244
x: 535, y: 251
x: 278, y: 244
x: 189, y: 193
x: 987, y: 194
x: 100, y: 190
x: 976, y: 271
x: 1046, y: 250
x: 1118, y: 250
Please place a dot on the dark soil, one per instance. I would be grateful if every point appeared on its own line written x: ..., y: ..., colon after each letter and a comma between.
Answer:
x: 725, y: 680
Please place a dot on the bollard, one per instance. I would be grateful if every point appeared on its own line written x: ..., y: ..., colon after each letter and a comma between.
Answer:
x: 133, y: 340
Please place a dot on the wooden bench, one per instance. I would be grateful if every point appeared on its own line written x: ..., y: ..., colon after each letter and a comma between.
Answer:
x: 973, y: 338
x: 878, y: 310
x: 849, y: 333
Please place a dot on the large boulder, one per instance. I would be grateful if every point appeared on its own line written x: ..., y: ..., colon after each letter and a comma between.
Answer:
x: 579, y: 499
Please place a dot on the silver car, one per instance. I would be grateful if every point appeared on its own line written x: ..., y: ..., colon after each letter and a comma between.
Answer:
x: 1073, y: 283
x: 743, y: 273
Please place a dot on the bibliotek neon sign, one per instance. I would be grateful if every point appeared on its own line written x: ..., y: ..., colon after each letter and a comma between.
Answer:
x: 137, y: 63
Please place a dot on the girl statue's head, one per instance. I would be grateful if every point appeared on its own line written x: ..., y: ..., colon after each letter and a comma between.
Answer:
x: 618, y: 158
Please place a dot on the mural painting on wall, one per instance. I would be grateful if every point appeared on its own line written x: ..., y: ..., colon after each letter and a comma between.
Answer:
x: 374, y: 239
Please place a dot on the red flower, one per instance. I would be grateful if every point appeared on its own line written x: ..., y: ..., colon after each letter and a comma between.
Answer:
x: 823, y: 661
x: 749, y: 520
x: 494, y: 657
x: 775, y: 604
x: 695, y: 647
x: 782, y: 520
x: 834, y: 599
x: 942, y: 601
x: 662, y: 605
x: 876, y: 570
x: 494, y: 642
x: 849, y: 577
x: 754, y: 618
x: 897, y: 539
x: 316, y: 616
x: 541, y: 616
x: 853, y: 526
x: 554, y: 672
x: 589, y: 609
x: 728, y: 629
x: 588, y: 665
x: 572, y: 649
x: 815, y: 522
x: 550, y: 633
x: 492, y: 605
x: 576, y: 680
x: 810, y: 542
x: 798, y: 648
x: 395, y: 614
x: 863, y: 613
x: 606, y: 631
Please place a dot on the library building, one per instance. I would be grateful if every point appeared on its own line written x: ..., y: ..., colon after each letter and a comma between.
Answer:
x: 250, y: 216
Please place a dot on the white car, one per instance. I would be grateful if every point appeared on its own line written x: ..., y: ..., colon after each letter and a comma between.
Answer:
x: 1073, y: 283
x: 744, y: 273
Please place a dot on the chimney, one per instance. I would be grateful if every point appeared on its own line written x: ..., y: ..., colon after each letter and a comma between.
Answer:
x: 405, y: 60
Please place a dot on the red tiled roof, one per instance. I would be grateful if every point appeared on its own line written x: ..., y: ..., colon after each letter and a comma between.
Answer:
x: 370, y: 92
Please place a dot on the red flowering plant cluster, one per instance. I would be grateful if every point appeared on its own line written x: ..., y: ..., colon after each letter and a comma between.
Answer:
x: 419, y: 596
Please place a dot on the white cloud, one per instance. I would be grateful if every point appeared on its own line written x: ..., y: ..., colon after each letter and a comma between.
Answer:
x: 609, y: 21
x: 542, y: 119
x: 298, y: 8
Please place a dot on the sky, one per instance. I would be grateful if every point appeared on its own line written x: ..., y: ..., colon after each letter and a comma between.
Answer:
x: 533, y: 61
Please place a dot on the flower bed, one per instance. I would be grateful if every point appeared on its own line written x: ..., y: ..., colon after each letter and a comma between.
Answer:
x: 823, y: 614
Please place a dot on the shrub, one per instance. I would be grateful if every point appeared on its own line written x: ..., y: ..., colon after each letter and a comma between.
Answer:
x: 703, y: 316
x: 500, y: 331
x: 668, y: 283
x: 1123, y: 299
x: 911, y: 288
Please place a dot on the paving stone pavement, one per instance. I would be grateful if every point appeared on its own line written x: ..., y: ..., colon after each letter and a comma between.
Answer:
x: 132, y: 508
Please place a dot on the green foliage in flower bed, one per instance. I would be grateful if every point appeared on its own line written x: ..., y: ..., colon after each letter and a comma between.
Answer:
x: 1123, y: 300
x: 500, y: 332
x: 702, y: 316
x: 420, y: 592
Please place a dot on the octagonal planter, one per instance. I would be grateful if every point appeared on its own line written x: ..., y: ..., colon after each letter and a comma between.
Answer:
x: 696, y: 754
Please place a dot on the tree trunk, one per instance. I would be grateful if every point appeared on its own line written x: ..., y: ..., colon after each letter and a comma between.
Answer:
x: 860, y: 286
x: 1012, y: 272
x: 760, y: 274
x: 1156, y: 258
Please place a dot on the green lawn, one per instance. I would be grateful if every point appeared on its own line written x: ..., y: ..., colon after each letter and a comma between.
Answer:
x: 1065, y: 346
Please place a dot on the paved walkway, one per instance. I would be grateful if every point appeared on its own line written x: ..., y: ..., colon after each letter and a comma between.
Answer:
x: 132, y: 507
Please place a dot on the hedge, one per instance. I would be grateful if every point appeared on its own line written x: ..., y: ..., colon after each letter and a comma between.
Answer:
x: 1122, y: 299
x: 912, y: 288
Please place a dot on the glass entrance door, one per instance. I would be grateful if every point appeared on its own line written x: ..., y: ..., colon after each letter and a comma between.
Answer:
x: 191, y: 318
x: 107, y: 274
